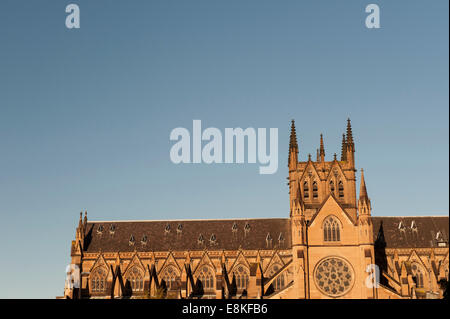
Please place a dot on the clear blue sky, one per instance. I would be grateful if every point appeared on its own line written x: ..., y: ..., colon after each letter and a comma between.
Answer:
x: 85, y: 115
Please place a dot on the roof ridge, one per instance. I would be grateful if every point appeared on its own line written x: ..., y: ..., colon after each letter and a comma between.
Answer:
x: 177, y: 220
x: 420, y: 216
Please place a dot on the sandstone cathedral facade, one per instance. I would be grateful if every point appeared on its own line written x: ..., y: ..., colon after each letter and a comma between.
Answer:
x: 327, y: 248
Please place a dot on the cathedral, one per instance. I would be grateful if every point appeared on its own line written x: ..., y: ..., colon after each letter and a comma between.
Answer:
x: 330, y: 246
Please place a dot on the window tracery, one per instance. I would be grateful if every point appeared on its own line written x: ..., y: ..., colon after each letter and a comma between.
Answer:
x: 206, y: 277
x: 98, y: 280
x: 241, y: 275
x: 169, y: 275
x: 331, y: 229
x: 136, y: 279
x: 334, y: 276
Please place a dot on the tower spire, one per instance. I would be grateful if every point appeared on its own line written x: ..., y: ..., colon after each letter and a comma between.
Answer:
x: 364, y: 200
x: 293, y: 138
x: 350, y: 146
x: 363, y: 189
x: 322, y: 149
x: 80, y: 231
x: 80, y: 222
x: 349, y: 133
x: 293, y: 147
x: 343, y: 149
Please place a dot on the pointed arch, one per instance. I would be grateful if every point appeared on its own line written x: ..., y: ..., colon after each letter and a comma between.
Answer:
x: 241, y: 273
x: 205, y: 260
x: 170, y: 274
x: 315, y: 189
x: 419, y: 270
x: 135, y: 261
x: 336, y: 171
x: 135, y: 278
x: 98, y: 275
x: 418, y: 273
x: 305, y: 190
x: 206, y: 276
x: 332, y: 187
x: 309, y: 175
x: 97, y: 279
x: 275, y: 259
x: 170, y: 260
x: 134, y: 275
x: 204, y: 273
x: 240, y: 260
x: 99, y: 262
x: 341, y: 189
x: 414, y: 257
x: 331, y: 229
x: 280, y: 281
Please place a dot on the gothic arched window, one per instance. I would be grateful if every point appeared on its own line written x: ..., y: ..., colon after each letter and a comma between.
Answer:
x: 240, y: 273
x: 136, y: 279
x: 332, y: 187
x: 315, y: 190
x: 341, y: 189
x: 418, y: 274
x: 306, y: 189
x: 331, y: 229
x: 279, y: 282
x: 206, y: 277
x: 169, y: 275
x: 98, y: 280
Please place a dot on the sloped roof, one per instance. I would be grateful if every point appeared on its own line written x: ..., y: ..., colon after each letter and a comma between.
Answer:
x: 256, y: 238
x: 398, y: 233
x: 160, y: 237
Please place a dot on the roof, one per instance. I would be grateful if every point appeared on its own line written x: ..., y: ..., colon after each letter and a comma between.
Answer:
x: 248, y: 234
x: 226, y: 234
x: 412, y: 231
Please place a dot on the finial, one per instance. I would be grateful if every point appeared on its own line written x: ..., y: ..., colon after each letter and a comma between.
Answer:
x: 343, y: 149
x: 363, y: 188
x: 80, y: 222
x: 322, y: 149
x: 349, y: 132
x: 299, y: 191
x: 309, y: 157
x: 293, y: 137
x: 335, y: 156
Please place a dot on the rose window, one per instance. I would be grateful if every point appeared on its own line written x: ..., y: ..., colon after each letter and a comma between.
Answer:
x: 334, y: 276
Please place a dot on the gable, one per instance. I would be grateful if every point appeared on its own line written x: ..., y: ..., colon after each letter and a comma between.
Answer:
x: 331, y: 207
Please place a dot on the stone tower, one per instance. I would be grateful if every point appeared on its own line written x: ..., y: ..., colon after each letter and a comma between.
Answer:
x: 316, y: 180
